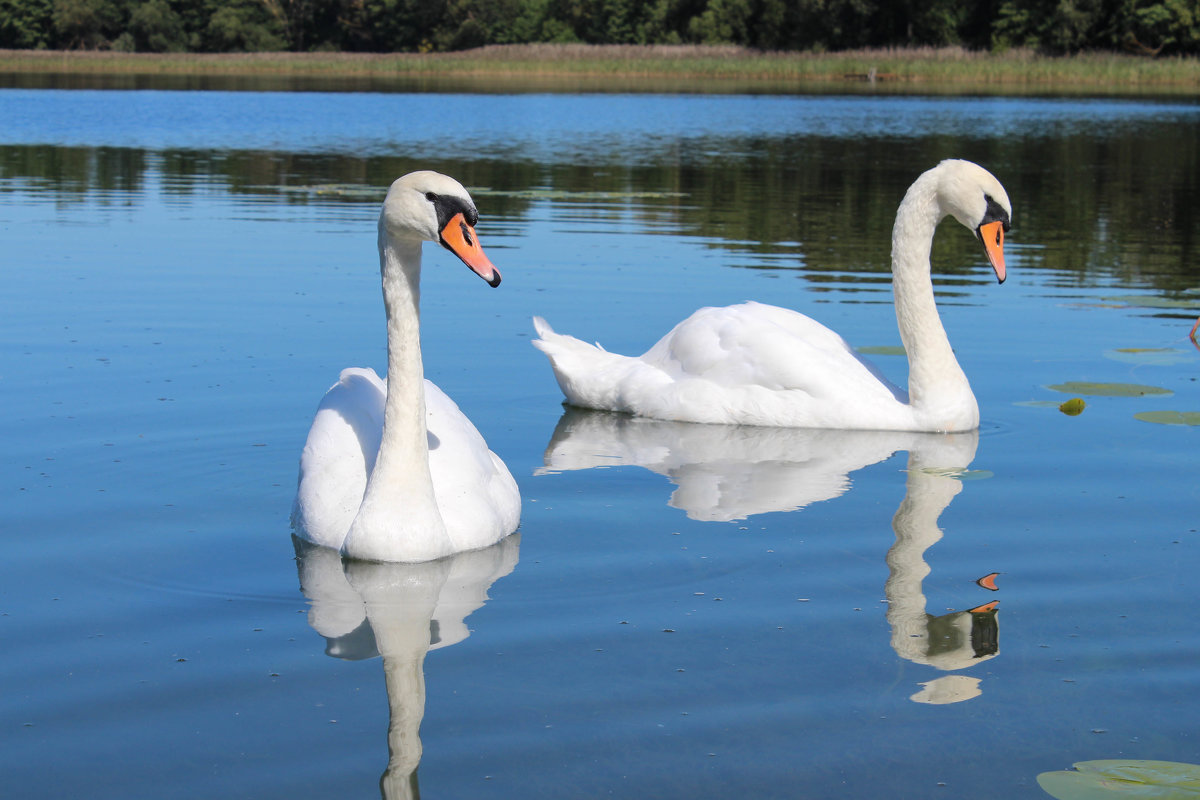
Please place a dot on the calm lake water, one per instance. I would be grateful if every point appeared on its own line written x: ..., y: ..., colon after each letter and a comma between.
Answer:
x: 687, y: 611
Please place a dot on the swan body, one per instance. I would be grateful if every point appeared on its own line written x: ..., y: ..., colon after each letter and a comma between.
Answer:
x: 756, y: 364
x: 394, y: 471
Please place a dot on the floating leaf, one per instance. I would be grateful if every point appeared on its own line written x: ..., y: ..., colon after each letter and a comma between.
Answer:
x: 564, y: 195
x: 960, y: 474
x: 347, y: 190
x: 1097, y: 780
x: 1151, y: 356
x: 1148, y: 301
x: 1169, y: 417
x: 1073, y: 407
x: 1109, y: 389
x: 882, y: 350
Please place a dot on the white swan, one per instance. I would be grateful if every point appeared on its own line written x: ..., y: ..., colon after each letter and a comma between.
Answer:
x: 755, y: 364
x: 397, y: 472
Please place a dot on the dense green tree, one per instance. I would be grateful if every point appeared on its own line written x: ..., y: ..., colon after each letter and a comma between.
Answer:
x: 1146, y: 27
x: 241, y: 27
x: 156, y: 28
x: 1151, y: 28
x: 26, y: 24
x: 86, y: 24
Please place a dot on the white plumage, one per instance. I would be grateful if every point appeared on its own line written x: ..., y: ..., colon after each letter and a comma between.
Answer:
x: 756, y: 364
x: 395, y: 471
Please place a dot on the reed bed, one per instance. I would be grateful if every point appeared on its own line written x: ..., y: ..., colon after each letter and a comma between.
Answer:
x: 943, y: 66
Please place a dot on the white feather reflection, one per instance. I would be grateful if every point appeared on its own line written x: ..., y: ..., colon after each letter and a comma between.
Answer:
x: 400, y: 612
x: 955, y: 640
x: 724, y: 472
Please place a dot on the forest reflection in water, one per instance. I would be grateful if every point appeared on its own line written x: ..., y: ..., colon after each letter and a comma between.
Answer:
x: 1103, y: 196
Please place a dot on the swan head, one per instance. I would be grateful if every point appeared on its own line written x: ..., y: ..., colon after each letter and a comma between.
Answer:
x: 974, y: 197
x: 430, y: 207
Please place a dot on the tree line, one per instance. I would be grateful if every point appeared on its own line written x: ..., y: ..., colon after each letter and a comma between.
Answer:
x: 1148, y: 27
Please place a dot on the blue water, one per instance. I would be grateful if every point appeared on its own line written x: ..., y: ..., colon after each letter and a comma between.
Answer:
x: 686, y: 612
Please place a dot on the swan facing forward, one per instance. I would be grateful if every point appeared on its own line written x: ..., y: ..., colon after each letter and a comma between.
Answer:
x: 395, y: 471
x: 755, y: 364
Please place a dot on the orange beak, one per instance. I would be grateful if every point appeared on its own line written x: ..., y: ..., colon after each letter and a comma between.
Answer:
x: 459, y: 238
x: 992, y: 236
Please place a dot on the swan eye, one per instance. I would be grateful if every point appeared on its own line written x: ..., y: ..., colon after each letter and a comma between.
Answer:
x: 431, y: 197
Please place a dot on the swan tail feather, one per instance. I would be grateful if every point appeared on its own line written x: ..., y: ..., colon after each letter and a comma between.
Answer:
x: 589, y: 375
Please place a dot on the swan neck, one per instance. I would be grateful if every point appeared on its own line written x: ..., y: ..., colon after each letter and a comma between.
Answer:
x: 936, y: 382
x: 405, y: 440
x: 399, y: 519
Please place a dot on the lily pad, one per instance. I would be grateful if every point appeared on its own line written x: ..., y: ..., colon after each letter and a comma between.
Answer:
x: 1109, y: 389
x: 1073, y: 407
x: 568, y: 196
x: 1148, y: 301
x: 1169, y: 417
x: 960, y: 474
x: 1151, y: 356
x: 352, y: 191
x: 1132, y: 778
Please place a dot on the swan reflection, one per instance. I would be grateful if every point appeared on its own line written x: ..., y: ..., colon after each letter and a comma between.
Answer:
x: 951, y: 641
x: 726, y: 472
x: 723, y: 472
x: 400, y: 612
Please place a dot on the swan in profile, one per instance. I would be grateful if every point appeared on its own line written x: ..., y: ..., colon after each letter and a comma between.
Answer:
x: 395, y: 471
x: 755, y: 364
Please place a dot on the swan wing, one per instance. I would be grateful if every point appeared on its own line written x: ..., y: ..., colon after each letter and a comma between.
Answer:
x: 338, y: 456
x: 763, y: 365
x: 476, y: 494
x: 774, y: 348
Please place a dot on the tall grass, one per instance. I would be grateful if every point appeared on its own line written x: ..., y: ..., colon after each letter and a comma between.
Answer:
x: 943, y: 66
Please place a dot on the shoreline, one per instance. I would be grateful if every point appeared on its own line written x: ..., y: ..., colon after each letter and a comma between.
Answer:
x: 896, y: 69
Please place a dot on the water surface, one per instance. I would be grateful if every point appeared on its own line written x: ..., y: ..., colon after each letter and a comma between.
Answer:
x: 688, y: 611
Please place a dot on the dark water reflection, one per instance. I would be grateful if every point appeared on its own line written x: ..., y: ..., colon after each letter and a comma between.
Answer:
x: 1102, y: 188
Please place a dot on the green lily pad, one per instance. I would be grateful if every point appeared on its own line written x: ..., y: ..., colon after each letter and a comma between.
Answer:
x: 1073, y: 407
x: 564, y: 195
x: 1147, y: 301
x: 1132, y: 778
x: 882, y: 350
x: 960, y: 474
x: 351, y: 191
x: 1169, y: 417
x: 1151, y: 356
x: 1109, y: 389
